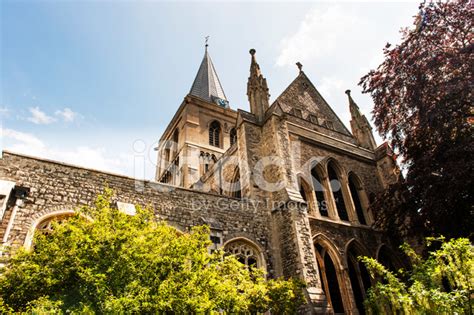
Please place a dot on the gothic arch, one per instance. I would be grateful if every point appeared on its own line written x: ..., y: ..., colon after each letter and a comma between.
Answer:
x: 315, y: 162
x: 358, y: 275
x: 247, y: 251
x: 307, y: 194
x: 330, y: 161
x: 359, y: 198
x: 387, y: 257
x: 215, y: 134
x: 320, y: 187
x: 332, y: 274
x: 330, y: 248
x: 361, y: 248
x: 337, y: 185
x: 43, y: 217
x: 206, y: 161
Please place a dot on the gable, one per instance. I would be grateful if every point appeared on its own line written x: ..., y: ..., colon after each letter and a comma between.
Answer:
x: 301, y: 99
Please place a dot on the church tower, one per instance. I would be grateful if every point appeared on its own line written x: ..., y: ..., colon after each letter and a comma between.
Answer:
x: 201, y: 130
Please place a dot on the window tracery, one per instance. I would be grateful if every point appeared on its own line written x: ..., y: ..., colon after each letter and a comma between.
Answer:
x: 245, y: 253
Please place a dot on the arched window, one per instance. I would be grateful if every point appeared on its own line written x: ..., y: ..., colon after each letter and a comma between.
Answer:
x: 214, y: 134
x: 319, y: 190
x: 389, y: 259
x: 46, y: 226
x: 303, y: 192
x: 245, y: 252
x: 355, y: 188
x: 307, y: 194
x: 329, y: 279
x: 358, y: 275
x: 206, y: 161
x: 336, y: 187
x: 233, y: 136
x: 167, y: 156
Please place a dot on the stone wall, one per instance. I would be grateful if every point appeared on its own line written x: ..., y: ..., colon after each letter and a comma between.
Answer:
x: 56, y: 186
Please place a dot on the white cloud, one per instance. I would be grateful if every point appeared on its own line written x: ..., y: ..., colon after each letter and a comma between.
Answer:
x: 330, y: 86
x: 39, y: 117
x: 95, y: 158
x: 320, y: 34
x: 340, y: 43
x: 67, y: 115
x: 4, y: 110
x: 23, y: 140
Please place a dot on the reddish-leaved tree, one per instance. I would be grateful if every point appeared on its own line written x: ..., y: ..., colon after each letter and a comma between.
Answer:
x: 423, y: 96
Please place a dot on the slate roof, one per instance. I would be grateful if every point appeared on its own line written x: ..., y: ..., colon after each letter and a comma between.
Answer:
x: 206, y: 84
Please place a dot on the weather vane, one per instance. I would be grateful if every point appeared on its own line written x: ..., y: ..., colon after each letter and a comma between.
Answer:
x: 207, y: 39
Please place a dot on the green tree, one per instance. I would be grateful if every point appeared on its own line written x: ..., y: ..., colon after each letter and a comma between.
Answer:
x: 103, y: 261
x: 441, y: 284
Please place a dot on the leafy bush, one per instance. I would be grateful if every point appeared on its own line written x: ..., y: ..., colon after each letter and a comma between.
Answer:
x: 441, y: 284
x: 103, y: 261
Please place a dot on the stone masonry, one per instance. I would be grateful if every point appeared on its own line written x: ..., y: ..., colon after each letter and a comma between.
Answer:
x: 287, y: 186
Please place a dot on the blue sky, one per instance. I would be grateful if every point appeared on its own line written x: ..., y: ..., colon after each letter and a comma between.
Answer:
x: 81, y: 81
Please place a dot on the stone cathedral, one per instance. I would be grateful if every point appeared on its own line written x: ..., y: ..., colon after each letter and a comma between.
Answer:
x: 285, y: 187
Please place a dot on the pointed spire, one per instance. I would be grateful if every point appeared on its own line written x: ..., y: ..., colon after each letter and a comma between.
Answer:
x: 360, y: 126
x: 257, y: 89
x: 355, y: 111
x: 206, y: 84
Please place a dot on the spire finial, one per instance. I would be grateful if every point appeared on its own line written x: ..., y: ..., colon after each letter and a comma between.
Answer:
x: 252, y: 53
x: 207, y: 40
x: 300, y: 66
x: 351, y: 101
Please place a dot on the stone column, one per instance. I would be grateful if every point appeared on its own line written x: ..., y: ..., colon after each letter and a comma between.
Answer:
x: 292, y: 235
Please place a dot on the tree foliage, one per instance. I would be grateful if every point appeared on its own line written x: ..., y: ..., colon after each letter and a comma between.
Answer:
x: 103, y: 261
x: 423, y: 96
x: 441, y: 284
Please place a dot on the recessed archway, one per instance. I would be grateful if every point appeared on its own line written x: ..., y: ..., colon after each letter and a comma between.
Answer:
x: 335, y: 172
x: 320, y: 189
x: 359, y: 276
x: 332, y: 275
x: 359, y: 198
x: 387, y: 257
